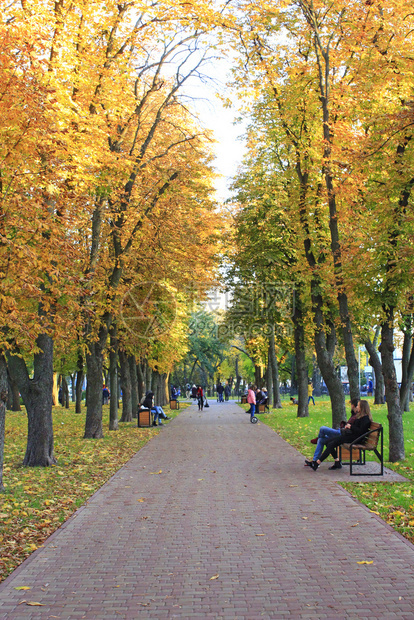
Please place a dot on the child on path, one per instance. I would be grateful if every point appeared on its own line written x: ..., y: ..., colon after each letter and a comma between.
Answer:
x: 251, y: 399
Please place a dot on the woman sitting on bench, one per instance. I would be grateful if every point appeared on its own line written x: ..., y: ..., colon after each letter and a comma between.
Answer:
x: 349, y: 433
x: 148, y: 403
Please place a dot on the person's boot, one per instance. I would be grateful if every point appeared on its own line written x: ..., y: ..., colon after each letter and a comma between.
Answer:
x: 336, y: 465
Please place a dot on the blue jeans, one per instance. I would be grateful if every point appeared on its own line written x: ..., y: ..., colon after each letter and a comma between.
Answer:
x: 158, y: 413
x: 220, y: 396
x: 311, y: 398
x: 252, y: 409
x: 325, y: 434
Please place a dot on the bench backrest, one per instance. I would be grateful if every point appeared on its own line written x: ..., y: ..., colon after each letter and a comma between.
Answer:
x: 372, y: 440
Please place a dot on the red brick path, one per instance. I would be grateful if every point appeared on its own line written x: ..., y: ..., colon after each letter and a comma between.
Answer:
x: 234, y: 527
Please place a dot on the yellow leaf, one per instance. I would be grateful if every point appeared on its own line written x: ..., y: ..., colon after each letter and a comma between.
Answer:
x: 141, y: 499
x: 156, y: 472
x: 34, y: 604
x: 214, y: 577
x: 366, y: 562
x: 23, y: 588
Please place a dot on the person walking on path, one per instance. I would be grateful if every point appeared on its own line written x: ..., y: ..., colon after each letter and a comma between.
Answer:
x: 200, y: 398
x: 220, y: 390
x: 251, y: 399
x: 326, y: 434
x: 349, y: 433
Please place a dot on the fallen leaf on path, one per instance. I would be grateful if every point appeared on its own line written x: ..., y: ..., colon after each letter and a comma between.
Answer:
x: 23, y: 588
x: 214, y: 577
x: 34, y: 604
x: 366, y: 562
x: 156, y: 472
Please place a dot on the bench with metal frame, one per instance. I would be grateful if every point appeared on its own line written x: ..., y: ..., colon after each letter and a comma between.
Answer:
x: 373, y: 437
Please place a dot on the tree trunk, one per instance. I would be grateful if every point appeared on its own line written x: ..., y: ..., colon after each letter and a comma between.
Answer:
x: 300, y: 356
x: 293, y: 379
x: 134, y: 385
x: 396, y: 430
x: 148, y: 378
x: 164, y: 389
x: 407, y: 364
x: 325, y: 348
x: 55, y: 390
x: 336, y: 248
x: 126, y: 387
x: 9, y: 403
x: 73, y: 387
x: 65, y: 393
x: 258, y: 375
x: 268, y: 379
x: 113, y: 379
x: 15, y: 395
x: 324, y: 335
x: 375, y: 362
x: 93, y: 422
x: 38, y: 399
x: 141, y: 382
x: 275, y: 371
x: 79, y: 385
x: 238, y: 378
x: 156, y: 387
x: 4, y: 384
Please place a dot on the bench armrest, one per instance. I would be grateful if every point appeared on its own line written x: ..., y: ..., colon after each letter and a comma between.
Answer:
x: 358, y: 439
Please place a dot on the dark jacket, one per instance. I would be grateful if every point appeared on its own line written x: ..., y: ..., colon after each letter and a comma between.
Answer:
x: 148, y: 401
x: 358, y: 428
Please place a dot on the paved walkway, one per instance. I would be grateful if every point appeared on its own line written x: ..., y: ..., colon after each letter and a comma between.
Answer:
x: 217, y: 518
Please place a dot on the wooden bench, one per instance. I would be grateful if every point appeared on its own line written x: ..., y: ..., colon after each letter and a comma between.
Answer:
x: 174, y: 404
x: 261, y: 407
x: 145, y: 418
x: 373, y: 437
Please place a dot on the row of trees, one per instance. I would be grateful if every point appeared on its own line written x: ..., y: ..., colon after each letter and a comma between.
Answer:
x: 106, y: 211
x: 325, y: 192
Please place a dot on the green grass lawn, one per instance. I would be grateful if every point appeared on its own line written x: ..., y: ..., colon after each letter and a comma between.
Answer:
x: 393, y: 501
x: 38, y: 500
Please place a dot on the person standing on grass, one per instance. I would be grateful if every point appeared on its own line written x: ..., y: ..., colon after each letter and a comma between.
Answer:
x: 310, y: 393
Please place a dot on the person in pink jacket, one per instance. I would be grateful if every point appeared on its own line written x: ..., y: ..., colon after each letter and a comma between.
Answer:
x: 251, y: 399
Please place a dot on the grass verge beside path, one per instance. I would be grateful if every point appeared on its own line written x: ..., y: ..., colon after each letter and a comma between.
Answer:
x: 38, y: 500
x: 392, y: 501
